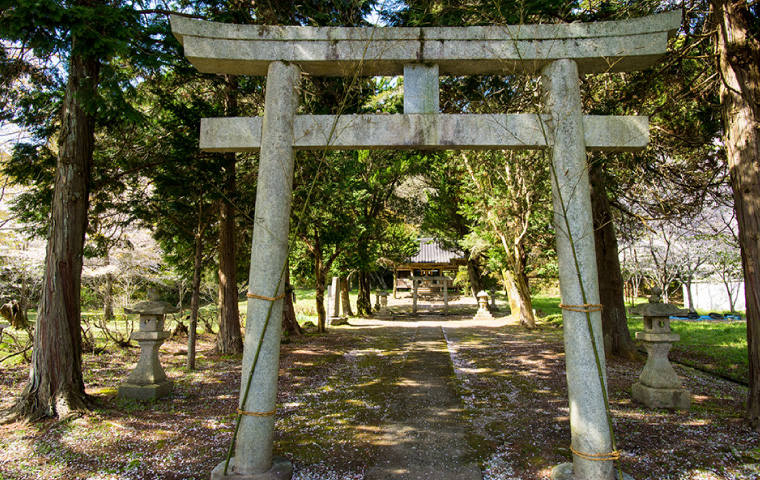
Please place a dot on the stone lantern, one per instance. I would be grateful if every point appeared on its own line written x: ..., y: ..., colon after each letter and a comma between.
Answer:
x: 148, y: 380
x: 383, y: 311
x: 483, y: 311
x: 383, y: 300
x: 658, y: 385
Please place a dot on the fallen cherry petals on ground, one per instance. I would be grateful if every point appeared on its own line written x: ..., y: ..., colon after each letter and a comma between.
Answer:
x: 335, y: 397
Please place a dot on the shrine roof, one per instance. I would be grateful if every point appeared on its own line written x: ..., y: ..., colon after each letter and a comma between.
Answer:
x: 432, y: 252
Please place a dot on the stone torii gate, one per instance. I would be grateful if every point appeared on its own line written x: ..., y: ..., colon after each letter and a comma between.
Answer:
x: 559, y: 53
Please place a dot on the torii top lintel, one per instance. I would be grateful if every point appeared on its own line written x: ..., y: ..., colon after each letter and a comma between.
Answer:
x: 598, y: 47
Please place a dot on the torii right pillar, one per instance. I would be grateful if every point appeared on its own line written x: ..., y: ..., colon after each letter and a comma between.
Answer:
x: 591, y: 438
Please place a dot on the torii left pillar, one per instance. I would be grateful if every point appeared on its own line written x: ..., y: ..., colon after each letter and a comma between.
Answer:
x: 253, y: 458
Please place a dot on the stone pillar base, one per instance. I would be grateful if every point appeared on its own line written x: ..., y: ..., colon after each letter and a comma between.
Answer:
x: 483, y: 315
x: 281, y: 469
x: 564, y: 471
x: 672, y: 398
x: 146, y: 392
x: 334, y: 321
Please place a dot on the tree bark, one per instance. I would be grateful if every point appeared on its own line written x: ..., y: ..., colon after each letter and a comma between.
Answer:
x: 289, y: 321
x: 617, y: 337
x: 473, y: 272
x: 689, y: 296
x: 739, y: 62
x: 108, y: 300
x: 364, y: 302
x: 229, y: 339
x: 345, y: 298
x: 520, y: 303
x: 56, y: 386
x: 196, y: 295
x: 320, y: 282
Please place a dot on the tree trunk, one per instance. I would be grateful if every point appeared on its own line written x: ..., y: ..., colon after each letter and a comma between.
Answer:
x: 108, y: 299
x: 289, y: 321
x: 320, y: 282
x: 229, y: 339
x: 344, y: 295
x: 740, y: 100
x: 364, y: 302
x: 56, y: 386
x: 473, y: 271
x: 196, y: 295
x: 689, y: 295
x: 520, y: 303
x: 24, y: 300
x: 731, y: 295
x: 617, y: 337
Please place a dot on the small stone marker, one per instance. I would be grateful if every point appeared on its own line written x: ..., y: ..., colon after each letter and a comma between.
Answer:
x: 483, y: 312
x: 335, y: 318
x: 415, y: 286
x: 658, y: 385
x: 3, y: 326
x: 383, y: 310
x: 148, y: 380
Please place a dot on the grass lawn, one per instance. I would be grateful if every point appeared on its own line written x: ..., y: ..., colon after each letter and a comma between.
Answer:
x: 718, y: 347
x: 715, y: 346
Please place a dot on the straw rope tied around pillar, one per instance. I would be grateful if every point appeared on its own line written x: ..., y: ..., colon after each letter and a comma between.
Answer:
x: 262, y: 297
x: 599, y: 457
x: 585, y: 308
x: 256, y: 414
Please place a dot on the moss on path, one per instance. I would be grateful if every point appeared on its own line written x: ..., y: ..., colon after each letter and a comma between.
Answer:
x: 426, y: 434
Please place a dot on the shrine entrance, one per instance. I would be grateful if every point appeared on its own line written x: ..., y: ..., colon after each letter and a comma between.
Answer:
x: 558, y: 53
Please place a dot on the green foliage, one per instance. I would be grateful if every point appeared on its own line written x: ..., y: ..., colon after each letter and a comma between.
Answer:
x: 480, y: 12
x: 40, y: 38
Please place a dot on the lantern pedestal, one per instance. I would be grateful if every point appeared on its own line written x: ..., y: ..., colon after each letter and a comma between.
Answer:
x: 658, y: 385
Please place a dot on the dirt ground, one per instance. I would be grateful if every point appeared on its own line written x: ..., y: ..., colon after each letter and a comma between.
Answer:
x: 337, y: 399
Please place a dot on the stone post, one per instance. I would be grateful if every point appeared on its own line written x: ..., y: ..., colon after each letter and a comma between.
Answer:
x: 414, y: 294
x: 494, y: 308
x: 445, y: 295
x: 148, y: 380
x: 3, y: 326
x: 383, y: 300
x: 334, y: 306
x: 589, y: 430
x: 658, y: 385
x: 269, y: 253
x: 383, y: 311
x: 335, y: 297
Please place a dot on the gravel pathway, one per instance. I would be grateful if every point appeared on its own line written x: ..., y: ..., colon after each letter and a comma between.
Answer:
x: 425, y: 436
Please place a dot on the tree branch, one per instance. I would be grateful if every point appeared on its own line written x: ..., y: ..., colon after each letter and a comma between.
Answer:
x: 161, y: 11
